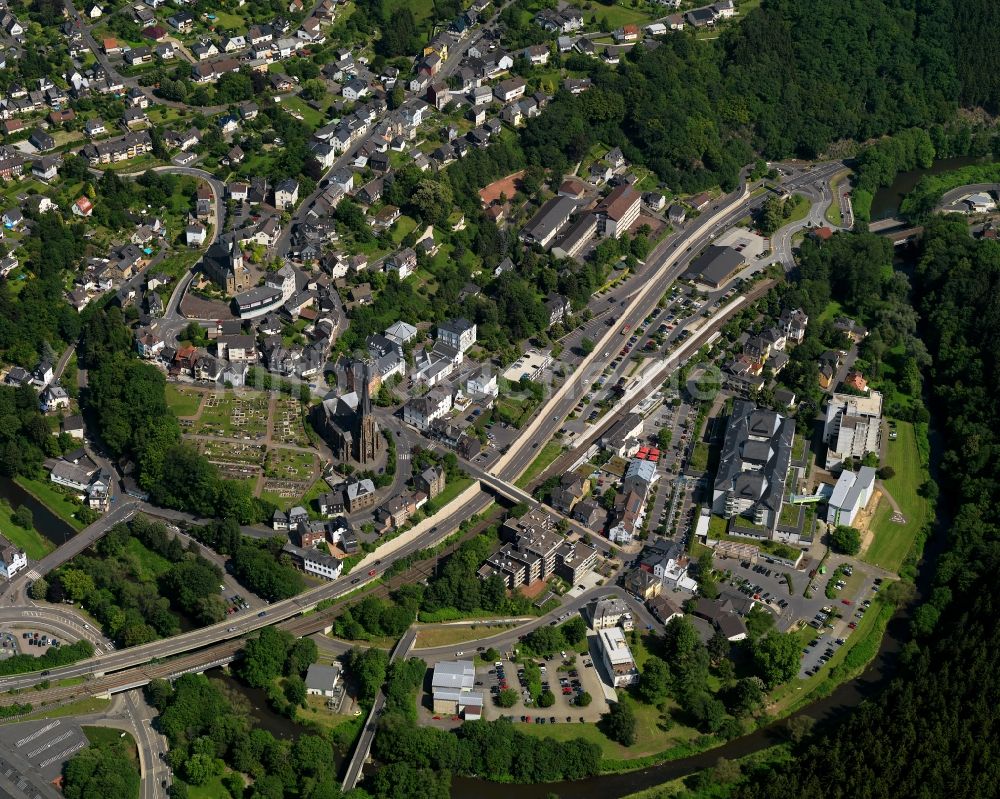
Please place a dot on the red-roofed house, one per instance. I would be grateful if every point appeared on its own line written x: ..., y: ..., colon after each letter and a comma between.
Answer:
x: 627, y: 33
x: 83, y: 206
x: 856, y: 381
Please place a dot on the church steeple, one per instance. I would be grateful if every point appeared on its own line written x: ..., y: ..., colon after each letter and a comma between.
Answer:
x: 364, y: 400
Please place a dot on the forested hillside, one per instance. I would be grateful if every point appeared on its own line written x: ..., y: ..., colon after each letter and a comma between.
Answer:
x: 792, y: 78
x: 933, y: 732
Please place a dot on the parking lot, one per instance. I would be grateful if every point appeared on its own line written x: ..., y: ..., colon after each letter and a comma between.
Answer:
x: 26, y: 642
x: 564, y: 685
x: 770, y: 590
x: 817, y: 653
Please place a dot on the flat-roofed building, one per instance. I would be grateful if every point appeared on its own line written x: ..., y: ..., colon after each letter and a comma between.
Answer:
x: 452, y: 691
x: 852, y: 427
x: 617, y: 657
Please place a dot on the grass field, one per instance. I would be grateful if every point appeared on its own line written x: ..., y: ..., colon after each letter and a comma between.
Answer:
x: 833, y: 215
x: 151, y: 564
x: 107, y: 735
x: 445, y: 636
x: 81, y: 707
x: 310, y: 115
x: 831, y: 311
x: 549, y: 453
x: 614, y: 16
x: 650, y: 737
x: 35, y: 545
x: 53, y: 498
x: 210, y: 789
x: 699, y: 456
x: 182, y: 401
x: 422, y: 10
x: 451, y: 490
x: 892, y: 542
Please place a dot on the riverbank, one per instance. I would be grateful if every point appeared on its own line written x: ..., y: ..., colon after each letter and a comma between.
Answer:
x: 35, y: 545
x: 52, y: 498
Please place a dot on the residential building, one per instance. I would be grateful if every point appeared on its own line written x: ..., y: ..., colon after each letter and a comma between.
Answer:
x: 457, y: 333
x: 313, y: 561
x: 422, y: 411
x: 322, y: 680
x: 617, y: 657
x: 793, y: 322
x: 482, y: 381
x: 530, y: 552
x: 575, y: 560
x: 610, y: 612
x: 12, y: 559
x: 286, y: 194
x: 430, y: 481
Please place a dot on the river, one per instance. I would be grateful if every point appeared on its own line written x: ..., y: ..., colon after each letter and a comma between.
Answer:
x: 46, y: 522
x: 886, y: 202
x: 263, y: 717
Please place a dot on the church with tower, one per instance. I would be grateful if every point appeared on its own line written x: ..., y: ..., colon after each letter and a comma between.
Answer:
x: 223, y: 265
x: 347, y: 423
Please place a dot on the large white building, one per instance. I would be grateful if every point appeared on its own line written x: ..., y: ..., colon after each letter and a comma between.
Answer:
x: 451, y: 686
x: 617, y: 657
x: 852, y: 427
x: 850, y: 495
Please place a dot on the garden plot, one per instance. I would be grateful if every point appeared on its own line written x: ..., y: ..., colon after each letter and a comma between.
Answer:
x: 288, y: 425
x: 227, y: 416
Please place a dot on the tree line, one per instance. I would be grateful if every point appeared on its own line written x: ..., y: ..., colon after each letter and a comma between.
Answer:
x: 212, y: 736
x: 923, y: 735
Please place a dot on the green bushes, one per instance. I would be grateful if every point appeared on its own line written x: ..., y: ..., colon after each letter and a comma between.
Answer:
x: 53, y: 658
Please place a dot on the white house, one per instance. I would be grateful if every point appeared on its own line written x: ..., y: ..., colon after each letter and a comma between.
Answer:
x: 482, y: 381
x: 12, y: 559
x: 421, y: 411
x: 457, y: 333
x: 53, y: 398
x: 322, y: 680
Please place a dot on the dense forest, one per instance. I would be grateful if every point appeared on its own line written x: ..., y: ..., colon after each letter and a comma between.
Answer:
x: 792, y: 78
x: 932, y: 732
x: 141, y: 585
